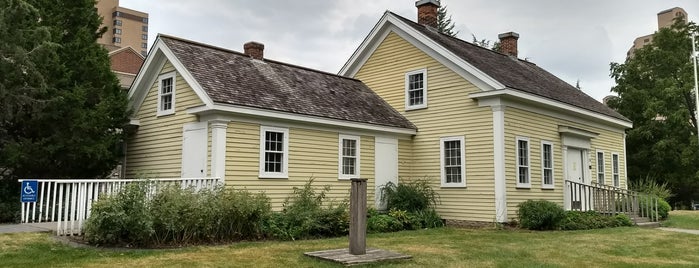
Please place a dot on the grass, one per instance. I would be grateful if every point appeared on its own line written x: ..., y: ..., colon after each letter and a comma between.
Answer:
x: 687, y: 219
x: 445, y: 247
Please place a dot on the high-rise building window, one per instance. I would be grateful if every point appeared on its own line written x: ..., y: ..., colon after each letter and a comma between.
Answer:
x: 117, y: 31
x: 116, y: 40
x: 145, y: 20
x: 144, y: 45
x: 116, y: 14
x: 144, y: 36
x: 117, y: 22
x: 144, y: 28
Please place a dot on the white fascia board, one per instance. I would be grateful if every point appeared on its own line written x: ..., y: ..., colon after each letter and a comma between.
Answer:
x: 550, y: 103
x: 389, y: 23
x: 150, y: 71
x: 257, y: 112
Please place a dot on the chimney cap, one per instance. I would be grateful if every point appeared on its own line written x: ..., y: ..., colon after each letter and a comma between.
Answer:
x: 425, y: 2
x: 253, y: 44
x: 508, y: 34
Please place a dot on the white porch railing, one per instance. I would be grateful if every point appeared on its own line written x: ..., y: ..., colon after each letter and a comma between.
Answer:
x: 69, y: 202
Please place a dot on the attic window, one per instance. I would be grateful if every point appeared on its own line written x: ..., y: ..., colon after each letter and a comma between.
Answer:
x: 166, y: 94
x: 416, y: 89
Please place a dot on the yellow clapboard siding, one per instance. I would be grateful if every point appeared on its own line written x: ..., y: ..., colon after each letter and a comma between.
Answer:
x: 538, y: 127
x: 312, y: 153
x: 450, y: 113
x: 156, y: 147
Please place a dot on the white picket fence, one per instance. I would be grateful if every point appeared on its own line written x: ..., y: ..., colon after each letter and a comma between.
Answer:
x: 69, y: 202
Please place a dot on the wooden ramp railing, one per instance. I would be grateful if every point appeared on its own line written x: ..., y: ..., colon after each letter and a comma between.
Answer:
x: 69, y: 202
x: 611, y: 200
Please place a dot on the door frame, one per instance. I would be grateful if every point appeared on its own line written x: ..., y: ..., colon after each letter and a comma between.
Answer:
x: 194, y: 126
x: 586, y: 175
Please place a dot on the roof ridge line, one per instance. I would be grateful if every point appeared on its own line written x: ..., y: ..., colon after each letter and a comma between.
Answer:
x: 243, y: 54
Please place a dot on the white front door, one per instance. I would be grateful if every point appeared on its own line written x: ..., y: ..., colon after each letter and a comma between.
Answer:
x: 575, y: 168
x: 385, y: 166
x: 194, y: 142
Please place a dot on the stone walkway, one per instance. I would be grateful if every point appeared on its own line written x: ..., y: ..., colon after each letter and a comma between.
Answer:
x: 687, y: 231
x: 28, y: 228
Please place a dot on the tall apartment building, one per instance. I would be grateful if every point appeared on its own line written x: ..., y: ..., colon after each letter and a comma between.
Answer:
x: 125, y: 27
x: 665, y: 19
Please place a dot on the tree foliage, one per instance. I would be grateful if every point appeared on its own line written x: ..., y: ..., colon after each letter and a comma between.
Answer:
x: 655, y: 88
x: 62, y: 107
x: 444, y: 23
x: 495, y: 46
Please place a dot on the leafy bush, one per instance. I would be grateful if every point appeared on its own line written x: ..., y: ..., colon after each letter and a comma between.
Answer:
x: 407, y: 219
x: 306, y: 216
x: 175, y: 216
x: 663, y: 206
x: 539, y: 215
x: 585, y: 220
x: 429, y: 218
x: 410, y: 196
x: 121, y: 219
x: 383, y: 223
x: 649, y: 185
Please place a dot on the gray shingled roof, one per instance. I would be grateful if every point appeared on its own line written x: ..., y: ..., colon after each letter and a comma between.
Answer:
x: 231, y: 77
x: 515, y: 73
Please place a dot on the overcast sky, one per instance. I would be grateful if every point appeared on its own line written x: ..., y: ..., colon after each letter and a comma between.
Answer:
x: 571, y: 39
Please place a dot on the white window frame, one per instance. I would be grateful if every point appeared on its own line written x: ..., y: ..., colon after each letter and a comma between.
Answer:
x: 604, y: 167
x: 162, y: 77
x: 462, y: 143
x: 424, y: 90
x: 285, y: 157
x: 544, y: 168
x: 528, y: 184
x: 357, y: 140
x: 616, y: 179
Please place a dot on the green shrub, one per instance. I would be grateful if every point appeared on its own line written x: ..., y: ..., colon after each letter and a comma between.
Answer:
x: 623, y: 220
x: 429, y: 218
x: 383, y: 223
x: 650, y: 185
x: 306, y: 216
x: 175, y: 216
x: 663, y: 209
x: 121, y: 219
x: 408, y: 220
x: 410, y: 196
x: 539, y: 215
x: 9, y: 200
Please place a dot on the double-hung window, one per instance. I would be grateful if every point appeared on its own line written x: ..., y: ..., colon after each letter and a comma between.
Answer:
x: 166, y: 94
x: 523, y: 171
x: 600, y: 167
x: 453, y: 159
x: 546, y: 165
x: 615, y: 169
x: 274, y: 152
x: 349, y: 157
x: 416, y: 89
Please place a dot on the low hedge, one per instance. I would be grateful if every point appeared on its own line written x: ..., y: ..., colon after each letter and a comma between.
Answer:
x: 546, y: 215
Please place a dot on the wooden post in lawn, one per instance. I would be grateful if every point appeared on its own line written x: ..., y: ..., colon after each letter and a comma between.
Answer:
x: 357, y: 232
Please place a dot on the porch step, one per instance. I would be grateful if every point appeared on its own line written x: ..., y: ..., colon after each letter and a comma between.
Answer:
x: 648, y: 224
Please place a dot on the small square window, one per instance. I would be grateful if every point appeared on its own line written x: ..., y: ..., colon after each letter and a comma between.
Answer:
x: 145, y: 20
x: 144, y: 28
x: 416, y: 89
x: 144, y: 37
x: 117, y: 31
x: 116, y: 40
x: 144, y: 45
x: 117, y: 22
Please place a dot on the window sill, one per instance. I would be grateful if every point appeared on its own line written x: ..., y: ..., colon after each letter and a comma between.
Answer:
x: 165, y: 113
x: 548, y: 188
x: 453, y: 186
x: 523, y: 187
x: 273, y: 176
x: 348, y: 178
x: 413, y: 108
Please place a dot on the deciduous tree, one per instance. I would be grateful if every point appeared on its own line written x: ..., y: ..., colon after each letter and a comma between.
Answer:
x: 655, y: 88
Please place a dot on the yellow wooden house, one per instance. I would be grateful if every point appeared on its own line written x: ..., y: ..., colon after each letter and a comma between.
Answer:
x: 493, y: 130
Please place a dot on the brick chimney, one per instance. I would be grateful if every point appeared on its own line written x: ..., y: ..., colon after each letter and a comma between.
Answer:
x: 427, y: 12
x: 508, y: 43
x: 254, y: 49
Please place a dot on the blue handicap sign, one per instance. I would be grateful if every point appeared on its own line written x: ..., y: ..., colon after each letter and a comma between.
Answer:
x: 29, y: 191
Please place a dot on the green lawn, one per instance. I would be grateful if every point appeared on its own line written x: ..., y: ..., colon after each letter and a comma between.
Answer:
x: 687, y: 219
x: 446, y: 247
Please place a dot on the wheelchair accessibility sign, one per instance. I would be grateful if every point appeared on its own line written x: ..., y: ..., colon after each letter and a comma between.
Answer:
x: 29, y: 191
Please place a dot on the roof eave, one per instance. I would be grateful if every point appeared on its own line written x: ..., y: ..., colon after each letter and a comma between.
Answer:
x: 221, y: 108
x: 510, y: 93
